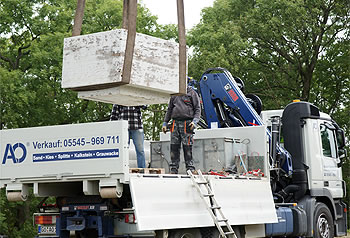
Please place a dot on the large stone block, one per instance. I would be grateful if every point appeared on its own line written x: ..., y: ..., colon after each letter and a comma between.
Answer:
x: 127, y: 95
x: 93, y: 65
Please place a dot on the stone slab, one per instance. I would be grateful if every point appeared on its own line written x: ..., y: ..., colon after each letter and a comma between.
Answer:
x: 126, y: 95
x: 94, y: 62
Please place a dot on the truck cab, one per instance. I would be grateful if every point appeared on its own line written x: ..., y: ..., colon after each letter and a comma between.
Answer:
x: 316, y: 142
x: 323, y: 144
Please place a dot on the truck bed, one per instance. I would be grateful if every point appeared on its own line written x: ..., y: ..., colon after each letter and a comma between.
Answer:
x: 93, y: 159
x: 65, y: 160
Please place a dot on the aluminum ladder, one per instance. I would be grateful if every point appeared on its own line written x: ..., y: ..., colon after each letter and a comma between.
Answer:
x: 212, y: 205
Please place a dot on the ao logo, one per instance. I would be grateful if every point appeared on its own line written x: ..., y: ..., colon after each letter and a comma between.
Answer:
x: 10, y: 153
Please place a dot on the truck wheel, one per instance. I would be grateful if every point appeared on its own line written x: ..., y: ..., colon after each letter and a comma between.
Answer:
x: 86, y: 234
x: 323, y: 222
x: 184, y: 233
x: 213, y: 232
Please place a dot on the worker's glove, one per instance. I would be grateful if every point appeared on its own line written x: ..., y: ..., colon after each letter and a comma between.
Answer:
x: 164, y: 129
x: 192, y: 126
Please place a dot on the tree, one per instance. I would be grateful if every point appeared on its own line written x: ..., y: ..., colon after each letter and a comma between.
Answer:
x: 16, y: 217
x: 31, y: 48
x: 331, y: 87
x: 31, y: 43
x: 274, y: 45
x: 153, y: 119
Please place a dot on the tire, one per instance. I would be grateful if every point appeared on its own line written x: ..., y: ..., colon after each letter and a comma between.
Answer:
x: 89, y: 233
x: 323, y: 222
x: 213, y: 232
x: 185, y: 233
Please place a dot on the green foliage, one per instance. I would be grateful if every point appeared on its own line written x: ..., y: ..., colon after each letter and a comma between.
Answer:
x: 31, y: 58
x: 153, y: 119
x: 16, y: 217
x: 3, y: 224
x: 167, y: 32
x: 14, y: 103
x: 331, y: 88
x: 274, y: 46
x: 31, y: 43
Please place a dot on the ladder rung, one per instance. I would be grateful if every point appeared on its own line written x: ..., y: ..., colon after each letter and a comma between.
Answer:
x: 221, y: 220
x: 215, y: 207
x: 202, y: 182
x: 208, y: 195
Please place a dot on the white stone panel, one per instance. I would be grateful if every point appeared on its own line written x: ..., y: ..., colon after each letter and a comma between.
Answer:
x: 126, y: 95
x: 90, y: 62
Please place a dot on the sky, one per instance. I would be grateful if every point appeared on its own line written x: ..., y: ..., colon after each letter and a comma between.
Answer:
x: 166, y: 10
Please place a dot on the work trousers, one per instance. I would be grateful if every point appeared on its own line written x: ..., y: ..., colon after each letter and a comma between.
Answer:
x: 137, y: 137
x: 181, y: 134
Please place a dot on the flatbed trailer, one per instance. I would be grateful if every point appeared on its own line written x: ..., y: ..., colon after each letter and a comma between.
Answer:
x: 86, y: 167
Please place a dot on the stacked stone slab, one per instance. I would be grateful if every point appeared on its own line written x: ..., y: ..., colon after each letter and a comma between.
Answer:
x: 93, y: 65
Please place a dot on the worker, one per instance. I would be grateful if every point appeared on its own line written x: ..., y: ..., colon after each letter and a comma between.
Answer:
x: 185, y: 112
x: 134, y: 118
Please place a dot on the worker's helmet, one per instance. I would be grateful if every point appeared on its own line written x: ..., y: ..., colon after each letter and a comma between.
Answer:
x: 191, y: 82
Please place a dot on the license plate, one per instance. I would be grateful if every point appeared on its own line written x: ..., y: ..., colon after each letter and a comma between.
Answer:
x: 47, y: 229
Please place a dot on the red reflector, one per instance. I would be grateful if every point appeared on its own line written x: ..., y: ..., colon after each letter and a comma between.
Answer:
x: 45, y: 220
x: 345, y: 210
x: 129, y: 218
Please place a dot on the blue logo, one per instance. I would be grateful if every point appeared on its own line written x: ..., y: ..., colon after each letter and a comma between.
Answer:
x: 10, y: 153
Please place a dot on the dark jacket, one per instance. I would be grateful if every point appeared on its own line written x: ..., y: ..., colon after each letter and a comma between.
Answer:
x: 185, y: 107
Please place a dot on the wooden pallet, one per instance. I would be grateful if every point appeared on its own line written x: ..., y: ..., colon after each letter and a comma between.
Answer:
x: 147, y: 170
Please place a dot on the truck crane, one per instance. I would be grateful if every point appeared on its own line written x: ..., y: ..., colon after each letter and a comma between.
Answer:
x: 294, y: 178
x: 86, y: 168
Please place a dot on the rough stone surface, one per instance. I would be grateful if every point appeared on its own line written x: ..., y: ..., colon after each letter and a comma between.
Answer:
x: 97, y: 59
x: 126, y: 95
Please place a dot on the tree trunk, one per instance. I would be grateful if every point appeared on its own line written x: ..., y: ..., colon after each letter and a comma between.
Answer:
x: 23, y: 214
x: 307, y: 78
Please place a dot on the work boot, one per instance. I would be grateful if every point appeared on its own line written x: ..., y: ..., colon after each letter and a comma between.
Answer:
x: 174, y: 171
x: 188, y: 158
x: 175, y: 158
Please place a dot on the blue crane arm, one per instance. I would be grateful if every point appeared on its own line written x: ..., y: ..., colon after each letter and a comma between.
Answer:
x: 225, y: 103
x: 220, y: 89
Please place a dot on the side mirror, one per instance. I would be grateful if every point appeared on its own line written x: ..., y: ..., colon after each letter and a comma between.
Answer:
x: 342, y: 153
x: 341, y: 146
x: 342, y: 156
x: 340, y: 138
